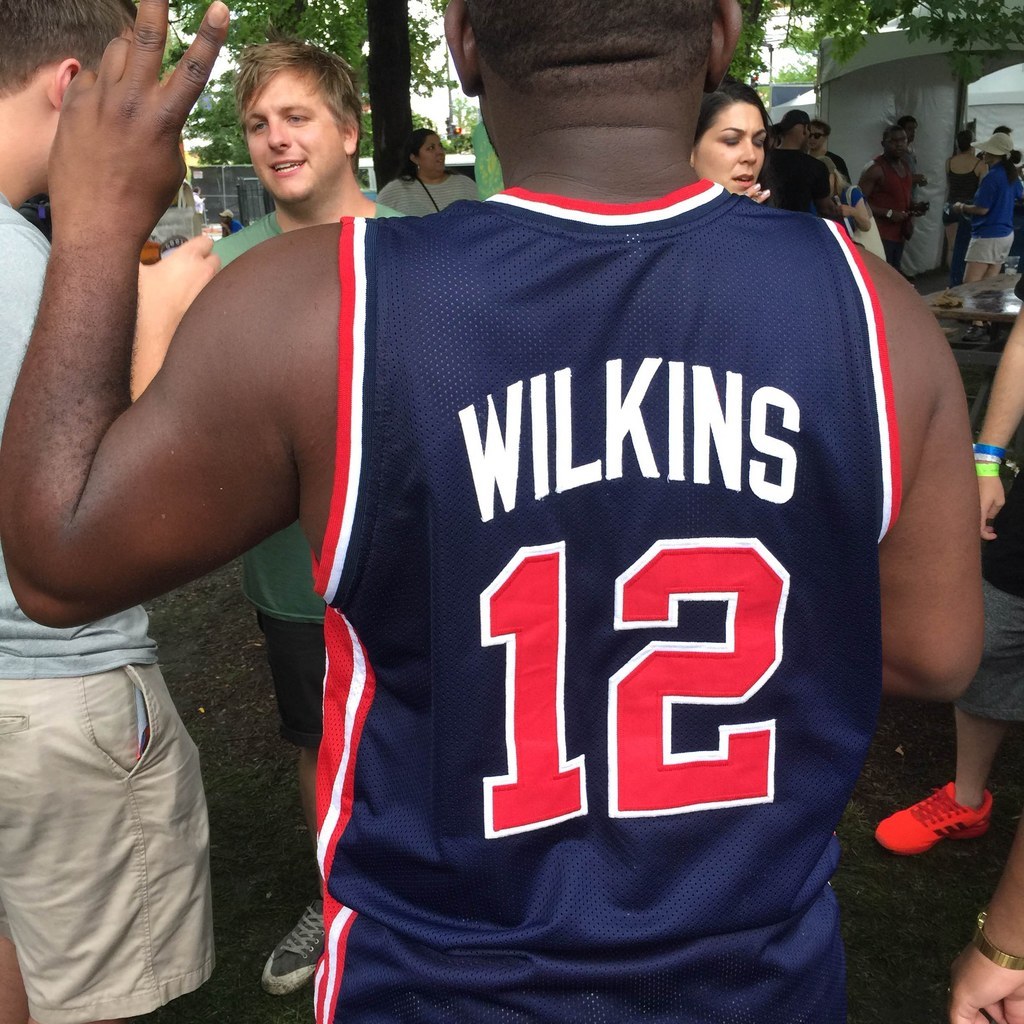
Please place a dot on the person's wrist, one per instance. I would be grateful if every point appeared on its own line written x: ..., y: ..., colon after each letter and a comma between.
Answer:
x: 988, y: 458
x: 990, y: 951
x: 86, y: 234
x: 981, y: 448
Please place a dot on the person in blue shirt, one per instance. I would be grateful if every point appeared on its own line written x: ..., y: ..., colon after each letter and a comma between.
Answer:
x: 991, y: 214
x: 229, y: 223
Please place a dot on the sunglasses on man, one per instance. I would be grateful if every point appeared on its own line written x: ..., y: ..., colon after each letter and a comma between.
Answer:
x: 817, y: 135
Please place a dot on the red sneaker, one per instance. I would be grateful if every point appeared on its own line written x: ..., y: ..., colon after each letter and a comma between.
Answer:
x: 937, y: 817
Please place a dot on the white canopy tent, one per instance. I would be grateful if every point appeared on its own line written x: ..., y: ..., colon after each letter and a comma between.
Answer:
x: 998, y: 99
x: 888, y: 77
x: 806, y: 101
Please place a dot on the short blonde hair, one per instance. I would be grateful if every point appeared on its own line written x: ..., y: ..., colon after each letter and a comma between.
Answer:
x: 331, y: 76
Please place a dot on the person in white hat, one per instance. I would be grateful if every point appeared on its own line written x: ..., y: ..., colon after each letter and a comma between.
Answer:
x: 991, y: 213
x: 229, y: 225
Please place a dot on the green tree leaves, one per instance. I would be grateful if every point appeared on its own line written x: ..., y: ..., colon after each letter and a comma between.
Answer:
x: 336, y: 25
x: 968, y: 28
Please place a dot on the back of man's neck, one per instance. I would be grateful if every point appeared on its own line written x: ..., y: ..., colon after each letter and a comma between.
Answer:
x: 23, y: 163
x: 626, y: 149
x: 15, y: 185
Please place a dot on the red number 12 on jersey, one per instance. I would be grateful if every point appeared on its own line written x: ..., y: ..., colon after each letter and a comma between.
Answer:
x: 524, y: 609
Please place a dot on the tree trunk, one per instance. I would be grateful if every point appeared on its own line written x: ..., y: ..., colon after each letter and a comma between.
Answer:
x: 388, y: 79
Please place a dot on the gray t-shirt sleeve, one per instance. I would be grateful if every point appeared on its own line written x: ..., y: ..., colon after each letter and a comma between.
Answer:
x: 23, y: 255
x: 28, y: 650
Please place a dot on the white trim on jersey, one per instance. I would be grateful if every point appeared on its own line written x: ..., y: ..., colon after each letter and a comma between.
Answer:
x: 353, y: 700
x: 885, y: 435
x: 602, y: 213
x: 339, y: 555
x: 325, y: 1000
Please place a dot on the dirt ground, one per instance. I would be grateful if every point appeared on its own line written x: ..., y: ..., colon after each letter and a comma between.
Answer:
x: 262, y: 860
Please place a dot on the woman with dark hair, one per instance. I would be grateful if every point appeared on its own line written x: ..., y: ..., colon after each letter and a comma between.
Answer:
x: 964, y: 172
x: 991, y: 213
x: 424, y: 186
x: 731, y: 139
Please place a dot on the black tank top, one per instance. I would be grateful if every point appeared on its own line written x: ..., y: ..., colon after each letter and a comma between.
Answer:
x: 961, y: 186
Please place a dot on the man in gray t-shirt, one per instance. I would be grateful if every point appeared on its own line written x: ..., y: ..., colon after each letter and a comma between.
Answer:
x: 105, y: 906
x: 28, y: 650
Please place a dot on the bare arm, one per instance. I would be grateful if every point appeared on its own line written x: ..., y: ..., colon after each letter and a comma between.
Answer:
x: 870, y: 180
x: 860, y: 213
x: 1003, y: 416
x: 207, y: 462
x: 202, y: 467
x: 166, y: 290
x: 822, y: 193
x: 970, y: 210
x: 929, y: 561
x: 979, y: 983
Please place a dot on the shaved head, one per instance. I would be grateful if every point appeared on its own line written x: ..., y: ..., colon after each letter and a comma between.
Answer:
x: 537, y: 44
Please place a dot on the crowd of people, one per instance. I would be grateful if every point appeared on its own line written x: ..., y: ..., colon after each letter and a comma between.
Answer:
x: 522, y: 809
x: 789, y: 165
x: 880, y: 208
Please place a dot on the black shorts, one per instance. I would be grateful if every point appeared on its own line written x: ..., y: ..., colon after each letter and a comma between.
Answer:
x: 297, y: 657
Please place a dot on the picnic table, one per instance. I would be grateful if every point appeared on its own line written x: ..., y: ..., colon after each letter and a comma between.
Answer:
x: 991, y: 300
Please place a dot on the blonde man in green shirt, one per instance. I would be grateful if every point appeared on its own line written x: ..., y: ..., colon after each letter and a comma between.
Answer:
x: 301, y: 113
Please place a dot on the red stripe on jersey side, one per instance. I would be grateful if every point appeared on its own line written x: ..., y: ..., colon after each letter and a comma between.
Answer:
x: 889, y: 397
x: 338, y: 921
x: 343, y: 435
x: 612, y: 209
x: 339, y: 675
x: 348, y: 694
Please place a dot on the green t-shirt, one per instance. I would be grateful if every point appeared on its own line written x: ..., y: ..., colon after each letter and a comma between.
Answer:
x: 488, y: 167
x: 277, y: 574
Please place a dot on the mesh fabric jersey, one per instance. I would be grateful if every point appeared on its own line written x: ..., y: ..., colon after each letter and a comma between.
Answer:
x: 604, y: 638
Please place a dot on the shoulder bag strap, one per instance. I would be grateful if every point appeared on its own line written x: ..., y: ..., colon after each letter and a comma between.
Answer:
x: 437, y: 209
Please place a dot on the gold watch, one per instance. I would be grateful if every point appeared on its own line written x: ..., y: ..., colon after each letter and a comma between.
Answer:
x: 994, y: 953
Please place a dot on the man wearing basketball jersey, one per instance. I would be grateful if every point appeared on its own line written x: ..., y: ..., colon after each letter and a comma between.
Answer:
x: 615, y: 565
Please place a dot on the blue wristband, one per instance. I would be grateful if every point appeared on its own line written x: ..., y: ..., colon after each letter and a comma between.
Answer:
x: 989, y: 449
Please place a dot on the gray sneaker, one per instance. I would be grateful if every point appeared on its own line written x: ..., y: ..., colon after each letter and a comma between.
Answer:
x: 294, y: 960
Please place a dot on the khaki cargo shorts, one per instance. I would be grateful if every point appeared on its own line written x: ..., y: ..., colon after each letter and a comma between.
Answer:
x: 104, y: 855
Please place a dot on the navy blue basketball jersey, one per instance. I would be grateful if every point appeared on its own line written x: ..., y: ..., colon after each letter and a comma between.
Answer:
x: 604, y: 650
